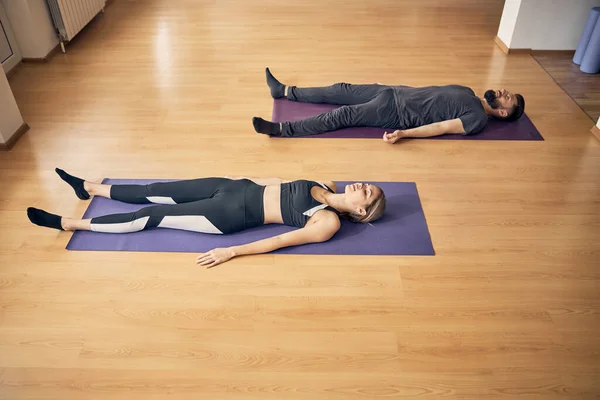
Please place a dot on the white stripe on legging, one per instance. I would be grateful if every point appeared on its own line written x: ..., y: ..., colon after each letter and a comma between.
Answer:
x: 195, y: 223
x: 161, y: 200
x: 121, y: 227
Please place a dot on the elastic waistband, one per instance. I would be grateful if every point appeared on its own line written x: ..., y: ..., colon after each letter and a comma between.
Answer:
x: 398, y: 121
x: 254, y: 210
x: 286, y: 212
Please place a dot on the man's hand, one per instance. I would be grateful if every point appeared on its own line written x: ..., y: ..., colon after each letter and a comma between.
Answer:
x: 393, y: 137
x: 215, y: 257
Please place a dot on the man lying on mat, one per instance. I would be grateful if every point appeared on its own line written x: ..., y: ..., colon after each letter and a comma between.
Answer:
x: 413, y: 112
x: 224, y: 205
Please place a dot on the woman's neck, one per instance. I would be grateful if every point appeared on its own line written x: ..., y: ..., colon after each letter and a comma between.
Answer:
x: 335, y: 200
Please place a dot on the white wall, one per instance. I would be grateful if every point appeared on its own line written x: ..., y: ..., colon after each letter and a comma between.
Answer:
x: 47, y: 37
x: 508, y: 21
x: 544, y: 24
x: 32, y: 26
x: 10, y: 116
x: 598, y: 124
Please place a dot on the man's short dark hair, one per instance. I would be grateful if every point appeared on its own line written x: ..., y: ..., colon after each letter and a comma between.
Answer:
x: 518, y: 109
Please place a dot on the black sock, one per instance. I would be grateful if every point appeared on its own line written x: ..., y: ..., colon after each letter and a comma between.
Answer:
x: 42, y: 218
x: 75, y: 182
x: 277, y: 88
x: 266, y: 127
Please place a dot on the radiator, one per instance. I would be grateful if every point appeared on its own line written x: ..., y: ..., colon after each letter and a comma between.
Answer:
x: 70, y: 16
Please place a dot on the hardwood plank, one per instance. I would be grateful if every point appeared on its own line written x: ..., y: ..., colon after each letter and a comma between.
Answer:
x: 115, y: 384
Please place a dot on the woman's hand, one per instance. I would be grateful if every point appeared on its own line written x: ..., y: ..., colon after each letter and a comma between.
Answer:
x: 215, y: 257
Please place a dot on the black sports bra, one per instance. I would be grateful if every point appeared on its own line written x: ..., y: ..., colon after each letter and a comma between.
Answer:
x: 298, y: 205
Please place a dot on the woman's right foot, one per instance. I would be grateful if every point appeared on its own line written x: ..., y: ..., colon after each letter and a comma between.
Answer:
x: 76, y: 183
x: 277, y: 88
x: 43, y: 218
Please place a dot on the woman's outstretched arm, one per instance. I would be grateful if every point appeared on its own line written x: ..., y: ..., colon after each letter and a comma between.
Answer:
x: 316, y: 230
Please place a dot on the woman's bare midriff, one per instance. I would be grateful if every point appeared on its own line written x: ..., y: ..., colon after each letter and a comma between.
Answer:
x: 272, y: 204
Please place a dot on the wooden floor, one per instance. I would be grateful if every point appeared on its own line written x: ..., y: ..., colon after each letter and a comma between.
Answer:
x: 508, y: 308
x: 583, y: 88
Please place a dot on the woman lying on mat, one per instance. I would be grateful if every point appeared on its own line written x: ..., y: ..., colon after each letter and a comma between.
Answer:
x: 227, y: 205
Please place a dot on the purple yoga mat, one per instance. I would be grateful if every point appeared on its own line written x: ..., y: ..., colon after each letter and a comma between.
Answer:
x: 286, y: 110
x: 402, y: 230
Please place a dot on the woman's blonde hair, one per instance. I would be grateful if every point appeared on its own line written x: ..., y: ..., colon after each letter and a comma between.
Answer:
x: 373, y: 212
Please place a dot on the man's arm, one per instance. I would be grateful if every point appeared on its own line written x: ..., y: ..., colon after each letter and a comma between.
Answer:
x: 435, y: 129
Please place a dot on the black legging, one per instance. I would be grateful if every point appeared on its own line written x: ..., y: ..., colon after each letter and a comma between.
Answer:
x: 363, y: 105
x: 208, y: 205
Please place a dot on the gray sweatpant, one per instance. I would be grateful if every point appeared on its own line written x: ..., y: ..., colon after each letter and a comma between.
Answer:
x: 363, y: 105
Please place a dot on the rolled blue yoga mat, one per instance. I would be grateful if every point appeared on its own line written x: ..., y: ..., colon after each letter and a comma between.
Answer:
x: 590, y: 25
x: 591, y: 59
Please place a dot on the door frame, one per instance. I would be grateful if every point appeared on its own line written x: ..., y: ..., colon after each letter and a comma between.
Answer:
x: 6, y: 30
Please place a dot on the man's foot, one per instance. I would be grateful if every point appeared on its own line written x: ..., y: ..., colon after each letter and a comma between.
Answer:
x: 392, y: 137
x: 277, y: 88
x: 76, y: 184
x: 42, y: 218
x: 266, y: 127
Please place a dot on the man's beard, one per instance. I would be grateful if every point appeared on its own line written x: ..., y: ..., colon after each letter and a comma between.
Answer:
x: 490, y: 97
